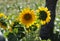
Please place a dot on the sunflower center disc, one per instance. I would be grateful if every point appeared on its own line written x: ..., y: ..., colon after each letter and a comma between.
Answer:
x: 43, y: 15
x: 27, y: 16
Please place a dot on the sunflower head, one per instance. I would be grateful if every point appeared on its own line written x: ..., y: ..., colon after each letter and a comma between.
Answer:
x: 27, y: 17
x: 2, y: 15
x: 3, y: 21
x: 44, y: 15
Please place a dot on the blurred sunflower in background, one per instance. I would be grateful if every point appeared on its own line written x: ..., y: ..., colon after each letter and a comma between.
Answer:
x: 2, y: 15
x: 44, y: 15
x: 27, y: 17
x: 3, y: 20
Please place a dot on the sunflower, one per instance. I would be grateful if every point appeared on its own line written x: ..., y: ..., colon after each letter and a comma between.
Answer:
x: 44, y: 15
x: 27, y: 17
x: 2, y: 15
x: 2, y: 21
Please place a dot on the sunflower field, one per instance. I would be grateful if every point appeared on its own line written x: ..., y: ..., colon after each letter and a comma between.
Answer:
x: 21, y: 20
